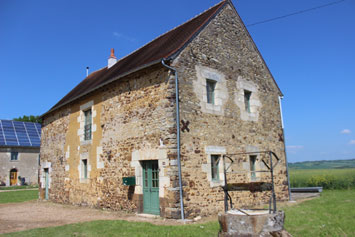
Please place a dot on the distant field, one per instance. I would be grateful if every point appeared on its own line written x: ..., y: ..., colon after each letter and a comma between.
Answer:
x: 326, y: 178
x: 323, y: 164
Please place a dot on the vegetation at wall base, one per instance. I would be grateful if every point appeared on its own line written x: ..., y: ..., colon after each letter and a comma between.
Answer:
x: 18, y: 196
x: 326, y: 178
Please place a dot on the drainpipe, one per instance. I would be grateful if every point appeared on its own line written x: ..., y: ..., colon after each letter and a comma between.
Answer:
x: 178, y: 135
x: 283, y: 130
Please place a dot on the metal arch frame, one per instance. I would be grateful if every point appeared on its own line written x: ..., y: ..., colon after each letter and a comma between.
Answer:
x: 270, y: 169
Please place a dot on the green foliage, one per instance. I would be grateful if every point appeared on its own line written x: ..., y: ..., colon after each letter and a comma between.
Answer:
x: 330, y: 215
x: 31, y: 118
x: 326, y: 178
x: 18, y: 196
x: 323, y: 164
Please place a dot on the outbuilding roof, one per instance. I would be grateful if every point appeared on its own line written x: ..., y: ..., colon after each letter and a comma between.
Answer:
x: 165, y: 46
x: 19, y: 134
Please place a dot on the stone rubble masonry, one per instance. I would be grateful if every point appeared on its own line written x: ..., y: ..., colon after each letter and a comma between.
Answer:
x: 133, y: 120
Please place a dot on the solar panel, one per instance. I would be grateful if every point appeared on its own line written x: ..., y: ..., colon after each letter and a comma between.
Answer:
x: 17, y: 133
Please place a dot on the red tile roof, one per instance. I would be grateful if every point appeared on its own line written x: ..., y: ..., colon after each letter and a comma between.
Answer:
x: 165, y: 46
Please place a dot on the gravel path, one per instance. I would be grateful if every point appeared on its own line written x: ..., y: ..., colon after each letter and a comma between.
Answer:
x: 38, y: 214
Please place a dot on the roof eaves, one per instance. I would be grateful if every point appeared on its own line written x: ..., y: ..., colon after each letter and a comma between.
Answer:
x: 101, y: 85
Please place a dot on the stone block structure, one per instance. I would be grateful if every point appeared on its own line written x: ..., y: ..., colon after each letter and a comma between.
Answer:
x: 19, y: 152
x: 121, y: 121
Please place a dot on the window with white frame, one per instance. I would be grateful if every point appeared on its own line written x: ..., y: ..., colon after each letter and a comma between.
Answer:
x: 88, y: 124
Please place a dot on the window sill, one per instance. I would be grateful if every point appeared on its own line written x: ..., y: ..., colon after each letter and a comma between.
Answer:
x: 84, y: 181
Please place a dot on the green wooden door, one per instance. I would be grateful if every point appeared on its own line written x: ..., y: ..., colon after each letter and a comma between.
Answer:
x: 151, y: 187
x: 47, y: 183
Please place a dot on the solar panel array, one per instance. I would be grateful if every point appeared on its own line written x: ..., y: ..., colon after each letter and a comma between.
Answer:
x: 16, y: 133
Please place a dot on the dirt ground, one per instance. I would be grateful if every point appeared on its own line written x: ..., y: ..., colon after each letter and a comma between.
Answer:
x: 38, y: 214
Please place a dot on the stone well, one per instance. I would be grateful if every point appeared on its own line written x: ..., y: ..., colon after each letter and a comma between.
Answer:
x: 252, y: 223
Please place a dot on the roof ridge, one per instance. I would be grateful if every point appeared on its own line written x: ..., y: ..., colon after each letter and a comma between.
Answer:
x: 171, y: 30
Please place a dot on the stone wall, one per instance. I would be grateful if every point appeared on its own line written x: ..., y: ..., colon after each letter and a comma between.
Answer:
x: 133, y: 120
x: 225, y: 127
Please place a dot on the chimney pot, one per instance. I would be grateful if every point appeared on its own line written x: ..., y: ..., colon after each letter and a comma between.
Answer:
x: 112, y: 60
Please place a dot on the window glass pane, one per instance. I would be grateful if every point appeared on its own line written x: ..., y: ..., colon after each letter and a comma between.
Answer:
x: 87, y: 127
x: 247, y: 95
x: 214, y: 167
x: 14, y: 155
x: 252, y: 166
x: 210, y: 88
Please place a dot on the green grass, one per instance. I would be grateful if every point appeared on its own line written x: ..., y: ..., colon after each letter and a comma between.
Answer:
x: 332, y: 214
x: 18, y: 187
x: 327, y: 178
x: 18, y: 196
x: 123, y: 228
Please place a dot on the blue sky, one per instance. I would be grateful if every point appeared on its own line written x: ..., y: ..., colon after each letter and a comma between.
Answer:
x: 45, y: 47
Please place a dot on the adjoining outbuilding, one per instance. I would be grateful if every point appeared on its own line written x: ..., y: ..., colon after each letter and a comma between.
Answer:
x: 147, y: 132
x: 19, y: 152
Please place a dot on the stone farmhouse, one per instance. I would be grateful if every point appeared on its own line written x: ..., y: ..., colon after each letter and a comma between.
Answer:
x: 19, y: 152
x: 123, y: 124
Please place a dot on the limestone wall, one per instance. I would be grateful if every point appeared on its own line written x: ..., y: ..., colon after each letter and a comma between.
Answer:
x: 223, y: 52
x: 132, y: 121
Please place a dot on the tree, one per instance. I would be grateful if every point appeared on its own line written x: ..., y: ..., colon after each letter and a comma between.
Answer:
x: 31, y: 118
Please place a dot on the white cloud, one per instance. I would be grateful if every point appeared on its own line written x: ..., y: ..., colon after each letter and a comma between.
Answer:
x: 124, y: 37
x: 295, y: 147
x: 345, y: 131
x: 352, y: 142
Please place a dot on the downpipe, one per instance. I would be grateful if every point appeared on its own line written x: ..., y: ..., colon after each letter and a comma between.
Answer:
x: 177, y: 136
x: 283, y: 131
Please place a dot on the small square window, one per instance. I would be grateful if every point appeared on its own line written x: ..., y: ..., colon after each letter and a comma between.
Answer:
x: 247, y: 95
x: 210, y: 87
x: 87, y: 127
x: 252, y: 167
x: 14, y: 155
x: 215, y: 167
x: 84, y: 169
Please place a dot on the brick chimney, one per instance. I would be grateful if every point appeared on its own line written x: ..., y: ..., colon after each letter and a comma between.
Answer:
x: 112, y: 59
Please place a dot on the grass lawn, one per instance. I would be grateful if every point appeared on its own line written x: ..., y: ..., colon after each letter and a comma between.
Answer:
x: 18, y: 196
x: 123, y: 228
x: 19, y: 187
x: 332, y: 214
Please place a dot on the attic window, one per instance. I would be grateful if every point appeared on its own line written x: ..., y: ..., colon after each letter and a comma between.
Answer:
x: 88, y: 122
x: 247, y: 95
x: 210, y: 87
